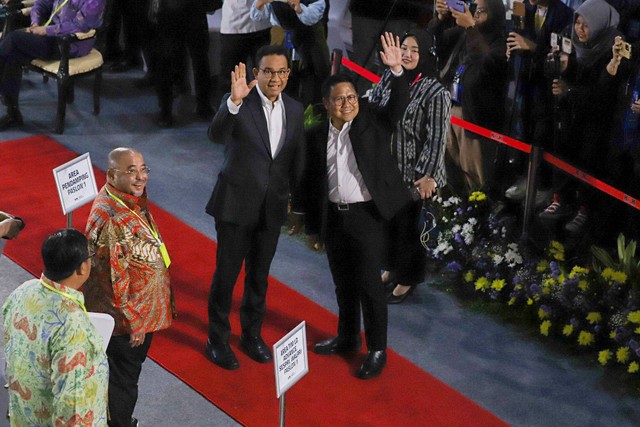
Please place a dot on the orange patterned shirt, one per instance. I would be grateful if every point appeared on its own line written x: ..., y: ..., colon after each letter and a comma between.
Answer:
x: 129, y: 279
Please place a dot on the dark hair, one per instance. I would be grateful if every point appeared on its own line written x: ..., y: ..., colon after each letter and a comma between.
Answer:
x: 271, y: 49
x: 63, y: 252
x: 333, y: 80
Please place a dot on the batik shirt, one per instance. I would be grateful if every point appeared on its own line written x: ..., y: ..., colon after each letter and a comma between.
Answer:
x: 57, y: 369
x: 129, y: 279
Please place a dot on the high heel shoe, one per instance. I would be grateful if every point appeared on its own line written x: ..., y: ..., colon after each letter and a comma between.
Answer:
x: 397, y: 299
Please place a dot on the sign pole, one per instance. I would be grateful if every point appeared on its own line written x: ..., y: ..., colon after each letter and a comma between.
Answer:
x: 69, y: 219
x: 282, y: 408
x: 290, y: 362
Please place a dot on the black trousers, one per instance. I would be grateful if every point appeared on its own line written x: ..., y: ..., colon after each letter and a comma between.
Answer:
x: 256, y: 246
x: 125, y: 365
x: 405, y: 255
x: 179, y: 32
x: 18, y: 48
x: 353, y: 242
x: 236, y: 48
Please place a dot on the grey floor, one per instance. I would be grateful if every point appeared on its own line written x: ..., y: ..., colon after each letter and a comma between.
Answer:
x: 515, y: 376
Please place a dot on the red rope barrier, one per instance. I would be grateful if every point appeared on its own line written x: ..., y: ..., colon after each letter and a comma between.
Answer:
x: 495, y: 136
x: 372, y: 77
x: 518, y: 145
x: 592, y: 181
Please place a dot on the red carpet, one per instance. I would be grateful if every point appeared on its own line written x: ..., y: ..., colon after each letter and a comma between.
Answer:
x: 329, y: 395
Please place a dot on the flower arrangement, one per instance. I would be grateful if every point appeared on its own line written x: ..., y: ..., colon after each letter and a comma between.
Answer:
x: 594, y: 308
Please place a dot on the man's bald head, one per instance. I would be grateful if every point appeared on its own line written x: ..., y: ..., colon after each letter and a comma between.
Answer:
x: 127, y: 171
x: 116, y: 155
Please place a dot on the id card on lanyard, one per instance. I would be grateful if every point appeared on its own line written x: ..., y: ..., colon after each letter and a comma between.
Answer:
x: 456, y: 85
x: 163, y: 248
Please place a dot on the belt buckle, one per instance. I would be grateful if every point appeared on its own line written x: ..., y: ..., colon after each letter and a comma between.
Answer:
x: 343, y: 206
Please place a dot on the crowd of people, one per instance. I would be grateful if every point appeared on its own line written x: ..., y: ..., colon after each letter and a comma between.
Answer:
x: 360, y: 177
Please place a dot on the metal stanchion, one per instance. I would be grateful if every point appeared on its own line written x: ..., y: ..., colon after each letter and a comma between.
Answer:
x: 282, y: 411
x: 336, y: 61
x: 69, y: 219
x: 535, y: 157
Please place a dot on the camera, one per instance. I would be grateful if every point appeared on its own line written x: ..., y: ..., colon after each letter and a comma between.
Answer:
x: 625, y: 50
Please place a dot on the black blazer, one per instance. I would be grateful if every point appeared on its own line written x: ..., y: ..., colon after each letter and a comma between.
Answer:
x: 250, y: 177
x: 370, y: 136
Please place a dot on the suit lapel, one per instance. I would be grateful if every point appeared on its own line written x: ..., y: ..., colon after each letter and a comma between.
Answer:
x: 254, y: 102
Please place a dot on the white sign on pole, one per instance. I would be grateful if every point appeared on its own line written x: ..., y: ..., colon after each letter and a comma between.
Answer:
x: 290, y: 358
x: 76, y: 183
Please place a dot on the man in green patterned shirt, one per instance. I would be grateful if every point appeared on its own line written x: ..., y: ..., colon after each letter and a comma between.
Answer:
x: 57, y: 369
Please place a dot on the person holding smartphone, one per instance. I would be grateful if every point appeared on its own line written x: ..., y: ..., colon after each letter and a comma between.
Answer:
x: 472, y: 53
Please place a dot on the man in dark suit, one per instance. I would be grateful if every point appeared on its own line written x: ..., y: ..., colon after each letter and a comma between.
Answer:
x: 261, y: 129
x: 351, y: 187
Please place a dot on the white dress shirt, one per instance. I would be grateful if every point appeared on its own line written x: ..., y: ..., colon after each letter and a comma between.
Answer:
x: 344, y: 178
x: 236, y: 19
x: 275, y: 116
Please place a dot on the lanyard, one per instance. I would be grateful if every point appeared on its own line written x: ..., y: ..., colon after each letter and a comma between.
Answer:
x: 416, y: 80
x: 64, y: 294
x: 163, y: 247
x: 54, y: 12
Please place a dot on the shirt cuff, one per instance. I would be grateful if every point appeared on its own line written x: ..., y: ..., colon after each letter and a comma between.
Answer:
x: 397, y: 74
x: 233, y: 108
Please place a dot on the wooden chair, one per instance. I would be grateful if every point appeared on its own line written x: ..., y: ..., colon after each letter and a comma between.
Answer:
x: 66, y: 70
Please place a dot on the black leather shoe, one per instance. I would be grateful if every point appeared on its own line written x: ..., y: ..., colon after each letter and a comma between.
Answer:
x: 222, y: 356
x: 256, y: 348
x: 398, y: 299
x: 373, y: 364
x: 11, y: 120
x: 338, y: 345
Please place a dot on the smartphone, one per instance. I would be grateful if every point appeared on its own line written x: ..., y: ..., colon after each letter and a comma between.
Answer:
x: 456, y: 5
x: 567, y: 45
x: 554, y: 40
x: 625, y: 51
x: 519, y: 9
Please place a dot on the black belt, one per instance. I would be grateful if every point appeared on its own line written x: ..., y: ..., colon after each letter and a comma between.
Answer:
x: 345, y: 207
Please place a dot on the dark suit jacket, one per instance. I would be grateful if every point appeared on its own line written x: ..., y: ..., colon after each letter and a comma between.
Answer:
x: 250, y: 177
x: 370, y: 136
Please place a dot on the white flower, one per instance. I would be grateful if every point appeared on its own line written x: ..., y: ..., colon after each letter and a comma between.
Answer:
x: 473, y: 221
x: 497, y: 259
x: 455, y: 228
x: 512, y: 256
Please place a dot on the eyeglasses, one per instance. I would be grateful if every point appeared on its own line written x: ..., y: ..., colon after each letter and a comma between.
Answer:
x: 340, y: 100
x: 91, y: 257
x: 283, y: 74
x: 134, y: 172
x: 479, y: 11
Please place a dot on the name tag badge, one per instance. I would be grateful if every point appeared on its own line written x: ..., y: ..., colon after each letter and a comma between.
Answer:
x: 165, y: 255
x: 455, y: 92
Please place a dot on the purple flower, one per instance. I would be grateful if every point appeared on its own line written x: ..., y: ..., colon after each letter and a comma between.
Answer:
x: 535, y: 289
x: 454, y: 266
x: 469, y: 208
x: 459, y: 211
x: 458, y: 238
x: 545, y: 308
x: 574, y: 322
x: 633, y: 344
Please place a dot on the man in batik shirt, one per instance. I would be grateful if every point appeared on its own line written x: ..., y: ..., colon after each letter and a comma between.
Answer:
x: 57, y: 370
x: 130, y: 279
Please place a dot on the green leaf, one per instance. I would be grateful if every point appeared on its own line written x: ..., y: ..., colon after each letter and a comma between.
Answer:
x: 602, y: 256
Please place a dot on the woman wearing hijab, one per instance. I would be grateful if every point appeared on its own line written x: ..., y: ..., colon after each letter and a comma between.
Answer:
x: 587, y: 95
x: 472, y: 53
x: 418, y: 144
